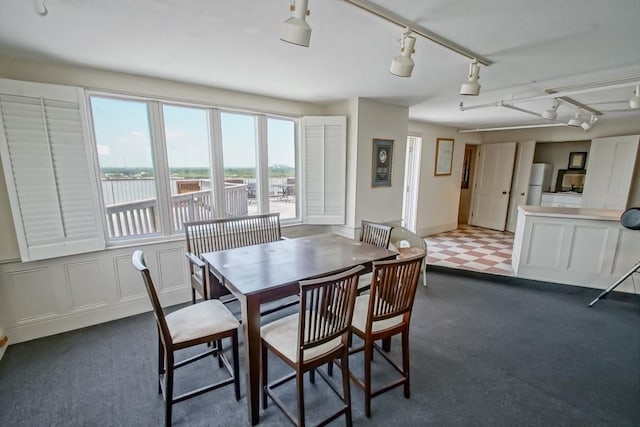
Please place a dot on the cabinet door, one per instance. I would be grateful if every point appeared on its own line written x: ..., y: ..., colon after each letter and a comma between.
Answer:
x: 520, y: 181
x: 610, y: 171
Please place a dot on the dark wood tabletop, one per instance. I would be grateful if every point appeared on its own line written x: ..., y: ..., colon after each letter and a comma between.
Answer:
x: 260, y: 268
x: 261, y: 273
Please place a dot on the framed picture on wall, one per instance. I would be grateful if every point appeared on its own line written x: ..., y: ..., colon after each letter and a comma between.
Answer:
x: 382, y: 161
x: 577, y: 160
x: 444, y: 156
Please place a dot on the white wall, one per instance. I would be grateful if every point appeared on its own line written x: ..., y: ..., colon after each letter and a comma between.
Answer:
x: 380, y: 121
x: 439, y: 196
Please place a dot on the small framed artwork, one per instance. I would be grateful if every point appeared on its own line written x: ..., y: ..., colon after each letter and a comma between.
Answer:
x: 577, y: 160
x: 444, y: 156
x: 382, y: 161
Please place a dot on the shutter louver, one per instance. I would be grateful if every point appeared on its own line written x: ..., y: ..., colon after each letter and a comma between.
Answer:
x: 45, y: 161
x: 324, y: 144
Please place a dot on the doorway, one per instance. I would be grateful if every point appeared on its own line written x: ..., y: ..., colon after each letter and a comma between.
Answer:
x: 411, y: 182
x: 466, y: 183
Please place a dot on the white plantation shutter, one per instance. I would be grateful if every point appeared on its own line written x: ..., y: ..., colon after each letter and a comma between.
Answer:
x: 324, y: 142
x: 51, y: 188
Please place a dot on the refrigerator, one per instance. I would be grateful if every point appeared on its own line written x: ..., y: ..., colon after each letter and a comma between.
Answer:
x: 539, y: 182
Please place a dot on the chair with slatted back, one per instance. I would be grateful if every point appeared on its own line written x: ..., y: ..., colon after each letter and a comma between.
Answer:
x: 316, y: 335
x: 203, y: 323
x: 383, y: 313
x: 374, y: 234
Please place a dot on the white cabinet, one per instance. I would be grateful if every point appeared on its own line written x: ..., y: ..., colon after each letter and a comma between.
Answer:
x: 611, y: 164
x: 561, y: 200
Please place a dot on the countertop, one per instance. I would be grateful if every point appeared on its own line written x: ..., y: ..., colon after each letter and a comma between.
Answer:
x: 563, y: 193
x: 576, y: 213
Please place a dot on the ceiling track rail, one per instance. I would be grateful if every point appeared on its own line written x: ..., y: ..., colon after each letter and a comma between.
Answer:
x: 389, y: 16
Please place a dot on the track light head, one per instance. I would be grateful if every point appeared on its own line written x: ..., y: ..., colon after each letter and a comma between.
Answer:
x: 295, y: 30
x: 552, y: 113
x: 575, y: 121
x: 402, y: 65
x: 586, y: 126
x: 634, y: 102
x: 471, y: 86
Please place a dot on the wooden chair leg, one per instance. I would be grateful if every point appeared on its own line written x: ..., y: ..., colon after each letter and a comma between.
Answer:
x: 161, y: 369
x: 265, y: 379
x: 405, y: 362
x: 193, y: 295
x: 236, y: 364
x: 368, y: 359
x: 300, y: 390
x: 312, y: 376
x: 219, y: 353
x: 346, y: 391
x: 168, y: 389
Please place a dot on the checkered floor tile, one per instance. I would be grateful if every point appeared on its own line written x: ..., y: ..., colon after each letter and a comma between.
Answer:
x: 472, y: 248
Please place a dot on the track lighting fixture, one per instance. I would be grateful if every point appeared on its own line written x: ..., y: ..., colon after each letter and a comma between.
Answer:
x: 634, y: 102
x: 295, y: 29
x: 402, y: 65
x: 586, y: 126
x: 552, y: 113
x: 471, y: 86
x: 575, y: 121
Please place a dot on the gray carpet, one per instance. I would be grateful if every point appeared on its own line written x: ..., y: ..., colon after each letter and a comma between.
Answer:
x: 483, y: 353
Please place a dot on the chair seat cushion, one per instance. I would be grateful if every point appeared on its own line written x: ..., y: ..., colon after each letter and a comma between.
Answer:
x: 200, y: 320
x: 364, y: 280
x: 360, y: 317
x: 282, y: 335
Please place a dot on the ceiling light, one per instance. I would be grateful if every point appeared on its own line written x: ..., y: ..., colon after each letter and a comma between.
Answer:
x: 575, y: 121
x: 402, y: 65
x: 472, y: 87
x: 634, y: 102
x: 586, y: 126
x: 552, y: 113
x: 295, y: 29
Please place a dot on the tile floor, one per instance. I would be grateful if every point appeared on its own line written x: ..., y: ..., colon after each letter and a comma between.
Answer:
x: 472, y: 248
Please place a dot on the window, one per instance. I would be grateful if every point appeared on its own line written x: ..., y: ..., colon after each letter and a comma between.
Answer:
x: 127, y: 171
x: 186, y: 132
x: 154, y: 179
x: 282, y: 167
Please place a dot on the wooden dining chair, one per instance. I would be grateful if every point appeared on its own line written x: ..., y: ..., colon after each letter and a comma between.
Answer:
x: 203, y: 323
x: 374, y: 234
x: 383, y: 313
x: 314, y: 336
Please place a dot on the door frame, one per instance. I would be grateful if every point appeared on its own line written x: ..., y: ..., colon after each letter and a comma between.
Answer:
x: 413, y: 156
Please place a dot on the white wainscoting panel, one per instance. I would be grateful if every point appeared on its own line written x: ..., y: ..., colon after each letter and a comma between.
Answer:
x: 32, y: 297
x: 47, y: 297
x: 172, y: 269
x: 86, y: 284
x: 588, y: 249
x: 129, y: 284
x: 548, y: 256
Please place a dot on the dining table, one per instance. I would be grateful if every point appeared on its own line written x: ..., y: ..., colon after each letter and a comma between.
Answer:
x: 267, y: 272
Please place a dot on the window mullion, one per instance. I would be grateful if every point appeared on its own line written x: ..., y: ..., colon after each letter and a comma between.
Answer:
x: 262, y: 164
x: 163, y: 187
x: 217, y: 163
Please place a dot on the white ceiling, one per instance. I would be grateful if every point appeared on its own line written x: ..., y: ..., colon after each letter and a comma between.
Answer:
x: 235, y: 44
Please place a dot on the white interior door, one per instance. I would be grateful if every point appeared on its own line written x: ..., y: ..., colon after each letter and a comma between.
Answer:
x: 520, y: 182
x: 609, y: 172
x: 411, y: 180
x: 492, y: 185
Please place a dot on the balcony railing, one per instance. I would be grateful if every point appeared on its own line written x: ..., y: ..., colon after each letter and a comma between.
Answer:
x: 140, y: 216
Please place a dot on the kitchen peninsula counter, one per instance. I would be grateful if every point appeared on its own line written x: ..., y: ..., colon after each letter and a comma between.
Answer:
x: 576, y: 246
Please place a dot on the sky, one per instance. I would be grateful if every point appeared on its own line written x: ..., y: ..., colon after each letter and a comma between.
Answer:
x: 123, y: 136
